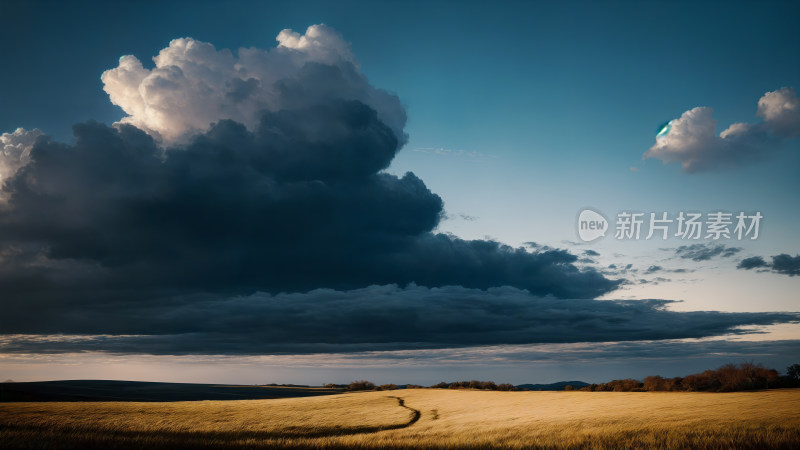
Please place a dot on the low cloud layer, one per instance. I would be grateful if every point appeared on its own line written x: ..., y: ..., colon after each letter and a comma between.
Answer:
x: 693, y: 143
x: 783, y: 264
x: 368, y: 319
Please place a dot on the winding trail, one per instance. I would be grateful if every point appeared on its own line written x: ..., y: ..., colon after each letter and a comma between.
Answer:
x: 414, y: 418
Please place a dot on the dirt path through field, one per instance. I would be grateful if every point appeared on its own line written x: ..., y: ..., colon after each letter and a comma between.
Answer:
x: 414, y: 418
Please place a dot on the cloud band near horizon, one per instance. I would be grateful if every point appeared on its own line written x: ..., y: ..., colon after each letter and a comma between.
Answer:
x: 375, y: 318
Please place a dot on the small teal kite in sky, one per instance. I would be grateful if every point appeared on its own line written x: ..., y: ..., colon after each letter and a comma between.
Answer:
x: 664, y: 129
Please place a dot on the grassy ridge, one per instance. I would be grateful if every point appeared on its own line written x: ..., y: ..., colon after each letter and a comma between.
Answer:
x: 426, y: 418
x: 138, y: 391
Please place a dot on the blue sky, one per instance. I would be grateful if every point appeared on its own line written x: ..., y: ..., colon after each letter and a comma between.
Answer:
x: 520, y: 114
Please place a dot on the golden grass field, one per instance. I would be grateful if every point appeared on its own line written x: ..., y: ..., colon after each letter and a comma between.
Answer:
x: 418, y: 418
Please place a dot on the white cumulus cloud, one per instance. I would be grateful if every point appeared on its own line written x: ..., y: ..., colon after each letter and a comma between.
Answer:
x: 193, y: 84
x: 781, y: 112
x: 692, y: 140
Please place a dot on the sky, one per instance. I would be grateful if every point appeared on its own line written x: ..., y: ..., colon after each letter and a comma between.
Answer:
x: 313, y: 192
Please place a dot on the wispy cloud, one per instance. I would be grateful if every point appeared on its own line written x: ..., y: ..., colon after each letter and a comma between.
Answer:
x: 704, y: 252
x: 466, y: 154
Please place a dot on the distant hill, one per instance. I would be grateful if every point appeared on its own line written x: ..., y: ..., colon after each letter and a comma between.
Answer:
x: 558, y: 386
x: 105, y: 390
x: 109, y: 390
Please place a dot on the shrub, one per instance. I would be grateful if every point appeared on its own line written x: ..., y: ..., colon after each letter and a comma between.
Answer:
x: 474, y: 384
x: 673, y: 384
x: 362, y: 385
x: 488, y: 385
x: 705, y: 381
x: 793, y: 372
x: 625, y: 385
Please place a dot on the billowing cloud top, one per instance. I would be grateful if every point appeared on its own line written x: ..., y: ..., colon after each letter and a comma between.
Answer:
x: 781, y: 112
x: 193, y: 84
x: 15, y: 151
x: 692, y: 140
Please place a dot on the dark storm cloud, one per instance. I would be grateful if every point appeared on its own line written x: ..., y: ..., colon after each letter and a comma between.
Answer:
x: 298, y: 204
x: 784, y: 264
x: 704, y: 252
x: 373, y: 318
x: 157, y: 229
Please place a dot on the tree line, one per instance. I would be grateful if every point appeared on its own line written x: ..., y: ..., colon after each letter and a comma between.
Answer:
x: 363, y: 385
x: 727, y: 378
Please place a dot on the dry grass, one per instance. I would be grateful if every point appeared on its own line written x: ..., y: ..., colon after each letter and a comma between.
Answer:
x: 448, y: 418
